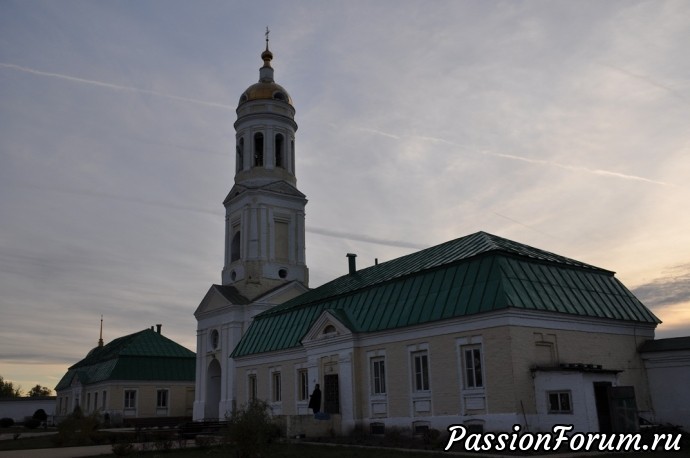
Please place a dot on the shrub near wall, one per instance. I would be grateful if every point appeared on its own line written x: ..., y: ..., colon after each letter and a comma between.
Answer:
x: 6, y: 422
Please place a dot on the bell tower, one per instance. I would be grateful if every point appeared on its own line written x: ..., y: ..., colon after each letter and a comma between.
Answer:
x: 264, y: 211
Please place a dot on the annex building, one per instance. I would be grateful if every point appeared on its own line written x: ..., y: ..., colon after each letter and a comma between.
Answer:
x: 140, y: 375
x: 480, y: 330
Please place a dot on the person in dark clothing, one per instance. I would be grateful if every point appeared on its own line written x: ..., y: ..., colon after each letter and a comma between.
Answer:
x: 315, y: 400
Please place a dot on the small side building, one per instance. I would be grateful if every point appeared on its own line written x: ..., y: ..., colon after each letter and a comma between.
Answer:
x: 668, y: 368
x: 141, y: 375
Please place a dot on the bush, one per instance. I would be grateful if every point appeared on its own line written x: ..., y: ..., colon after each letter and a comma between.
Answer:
x: 40, y: 415
x: 78, y: 430
x: 163, y: 441
x: 204, y: 441
x: 252, y: 429
x: 123, y: 449
x: 32, y: 423
x: 6, y: 422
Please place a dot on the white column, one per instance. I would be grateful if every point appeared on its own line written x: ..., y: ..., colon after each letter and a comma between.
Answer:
x: 300, y: 239
x: 200, y: 384
x: 347, y: 406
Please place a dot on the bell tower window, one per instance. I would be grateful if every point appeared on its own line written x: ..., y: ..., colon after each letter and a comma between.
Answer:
x: 240, y: 155
x: 258, y: 149
x: 279, y: 150
x: 235, y: 247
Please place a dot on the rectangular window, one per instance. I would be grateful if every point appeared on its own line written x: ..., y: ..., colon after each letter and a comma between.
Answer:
x: 303, y: 377
x: 282, y: 241
x: 104, y: 399
x: 162, y: 399
x: 559, y: 402
x: 88, y: 402
x: 472, y: 364
x: 420, y: 361
x: 95, y: 400
x: 378, y: 376
x: 251, y: 387
x: 277, y: 394
x: 130, y: 399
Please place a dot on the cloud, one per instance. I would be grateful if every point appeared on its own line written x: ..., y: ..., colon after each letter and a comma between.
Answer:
x: 672, y: 288
x: 116, y: 87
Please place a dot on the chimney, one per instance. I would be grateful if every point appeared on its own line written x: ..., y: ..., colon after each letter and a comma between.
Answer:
x: 158, y: 328
x: 352, y: 262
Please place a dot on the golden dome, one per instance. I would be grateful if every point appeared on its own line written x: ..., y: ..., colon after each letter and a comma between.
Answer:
x: 266, y: 88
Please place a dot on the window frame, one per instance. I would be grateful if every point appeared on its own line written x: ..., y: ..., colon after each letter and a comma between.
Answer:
x: 421, y: 382
x: 276, y: 387
x: 472, y: 368
x: 252, y: 387
x: 166, y: 398
x: 377, y: 368
x: 130, y: 399
x: 302, y: 385
x: 561, y: 394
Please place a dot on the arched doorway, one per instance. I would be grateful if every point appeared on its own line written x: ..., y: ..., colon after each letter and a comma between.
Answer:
x: 212, y: 390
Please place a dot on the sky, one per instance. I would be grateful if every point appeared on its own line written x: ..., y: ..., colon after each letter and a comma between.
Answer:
x: 561, y: 125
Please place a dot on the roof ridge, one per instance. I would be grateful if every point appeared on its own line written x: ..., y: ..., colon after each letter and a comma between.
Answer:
x: 456, y: 250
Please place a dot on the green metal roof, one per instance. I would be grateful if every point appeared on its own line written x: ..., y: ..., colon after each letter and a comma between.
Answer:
x: 144, y: 355
x: 473, y: 274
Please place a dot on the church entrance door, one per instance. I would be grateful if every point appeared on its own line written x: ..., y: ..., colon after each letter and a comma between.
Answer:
x: 212, y: 391
x: 331, y: 393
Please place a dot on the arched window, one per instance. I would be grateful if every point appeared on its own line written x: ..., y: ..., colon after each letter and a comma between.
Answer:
x: 235, y: 247
x: 240, y: 155
x: 279, y: 150
x: 258, y: 149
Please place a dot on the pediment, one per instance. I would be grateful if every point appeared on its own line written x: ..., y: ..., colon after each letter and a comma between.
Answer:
x: 219, y: 298
x: 235, y: 191
x: 282, y: 293
x: 327, y: 326
x: 282, y: 187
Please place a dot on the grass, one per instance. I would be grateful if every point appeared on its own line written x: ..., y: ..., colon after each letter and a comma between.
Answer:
x: 26, y: 443
x: 301, y: 450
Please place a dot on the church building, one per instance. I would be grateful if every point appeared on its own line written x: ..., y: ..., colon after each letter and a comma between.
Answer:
x: 480, y: 330
x: 140, y: 375
x: 265, y: 261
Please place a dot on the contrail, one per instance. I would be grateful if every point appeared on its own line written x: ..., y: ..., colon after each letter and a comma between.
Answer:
x: 577, y: 168
x: 364, y: 238
x: 650, y: 81
x: 574, y: 168
x: 116, y: 87
x: 156, y: 203
x: 378, y: 132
